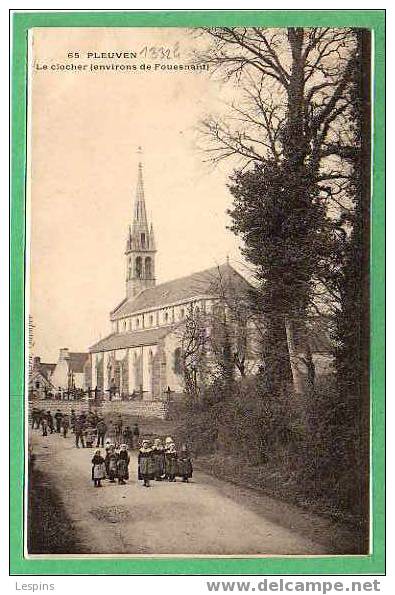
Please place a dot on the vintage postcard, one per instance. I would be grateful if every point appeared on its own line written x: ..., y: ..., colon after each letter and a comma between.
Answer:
x: 198, y: 311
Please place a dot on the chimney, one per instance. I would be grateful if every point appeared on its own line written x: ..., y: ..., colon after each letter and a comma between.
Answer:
x: 36, y: 361
x: 64, y: 354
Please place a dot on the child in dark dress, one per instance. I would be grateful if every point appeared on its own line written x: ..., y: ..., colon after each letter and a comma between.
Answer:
x: 185, y: 469
x: 123, y: 464
x: 158, y: 453
x: 112, y: 464
x: 146, y: 463
x: 98, y: 469
x: 170, y: 460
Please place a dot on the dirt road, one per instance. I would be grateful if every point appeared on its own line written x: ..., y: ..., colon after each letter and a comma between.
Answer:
x: 206, y: 516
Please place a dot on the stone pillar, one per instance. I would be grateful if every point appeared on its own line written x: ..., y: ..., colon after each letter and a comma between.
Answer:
x: 121, y: 380
x: 106, y: 383
x: 93, y: 371
x: 147, y: 366
x: 131, y: 383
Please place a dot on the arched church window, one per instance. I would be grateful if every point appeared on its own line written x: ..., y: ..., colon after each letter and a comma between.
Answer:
x: 143, y: 240
x: 137, y: 322
x: 182, y: 313
x: 166, y: 317
x: 130, y: 324
x: 148, y: 267
x: 151, y: 320
x: 138, y: 267
x: 130, y: 273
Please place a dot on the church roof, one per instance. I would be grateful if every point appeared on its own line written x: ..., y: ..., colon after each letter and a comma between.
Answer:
x: 131, y: 339
x: 210, y: 282
x: 77, y: 361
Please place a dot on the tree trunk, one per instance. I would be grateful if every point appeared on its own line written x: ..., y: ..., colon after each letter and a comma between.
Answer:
x: 276, y: 363
x: 298, y: 378
x: 310, y: 367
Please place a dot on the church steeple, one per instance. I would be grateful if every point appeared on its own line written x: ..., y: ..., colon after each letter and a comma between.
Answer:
x: 140, y: 243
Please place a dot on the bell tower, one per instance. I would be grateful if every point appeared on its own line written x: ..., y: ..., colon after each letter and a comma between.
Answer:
x: 140, y: 244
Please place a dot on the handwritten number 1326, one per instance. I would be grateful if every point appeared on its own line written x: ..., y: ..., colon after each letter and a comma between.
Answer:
x: 161, y: 53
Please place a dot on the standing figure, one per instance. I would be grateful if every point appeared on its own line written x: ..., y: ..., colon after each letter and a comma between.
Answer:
x: 79, y: 429
x: 185, y: 469
x: 112, y: 464
x: 107, y: 459
x: 41, y: 415
x: 35, y: 418
x: 170, y: 459
x: 145, y: 463
x: 44, y: 426
x: 50, y: 421
x: 58, y: 420
x: 98, y: 469
x: 65, y: 425
x: 158, y: 455
x: 123, y: 464
x: 73, y: 419
x: 101, y: 428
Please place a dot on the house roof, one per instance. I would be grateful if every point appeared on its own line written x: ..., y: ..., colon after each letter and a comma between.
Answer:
x: 131, y: 339
x: 77, y: 361
x: 210, y: 282
x: 38, y: 373
x: 46, y: 369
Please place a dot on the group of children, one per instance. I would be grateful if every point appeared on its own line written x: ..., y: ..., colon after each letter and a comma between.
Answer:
x: 114, y: 466
x: 155, y: 462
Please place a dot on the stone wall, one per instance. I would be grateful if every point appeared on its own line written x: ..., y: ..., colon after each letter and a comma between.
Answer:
x: 138, y: 408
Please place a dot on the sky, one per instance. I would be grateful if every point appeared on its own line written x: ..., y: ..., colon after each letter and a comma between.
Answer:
x: 85, y: 127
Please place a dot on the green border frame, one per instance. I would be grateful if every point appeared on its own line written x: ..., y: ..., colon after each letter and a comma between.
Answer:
x: 373, y: 564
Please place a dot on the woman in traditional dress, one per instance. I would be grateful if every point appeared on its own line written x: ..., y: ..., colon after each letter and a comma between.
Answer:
x: 65, y: 425
x: 112, y: 464
x: 146, y: 463
x: 185, y: 469
x: 106, y: 457
x: 123, y: 464
x: 170, y: 459
x: 44, y: 426
x: 158, y: 454
x: 98, y: 469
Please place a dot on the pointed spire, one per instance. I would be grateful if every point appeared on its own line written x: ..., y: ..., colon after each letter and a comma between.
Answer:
x: 139, y: 211
x: 140, y: 246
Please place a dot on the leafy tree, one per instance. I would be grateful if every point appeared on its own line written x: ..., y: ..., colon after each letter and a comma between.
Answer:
x: 291, y: 125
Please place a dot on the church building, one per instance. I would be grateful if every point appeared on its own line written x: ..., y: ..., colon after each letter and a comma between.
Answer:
x: 142, y: 354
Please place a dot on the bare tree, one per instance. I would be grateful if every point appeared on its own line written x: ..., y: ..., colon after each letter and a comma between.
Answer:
x: 292, y: 109
x: 194, y: 344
